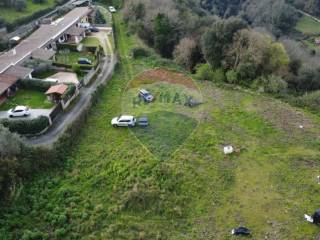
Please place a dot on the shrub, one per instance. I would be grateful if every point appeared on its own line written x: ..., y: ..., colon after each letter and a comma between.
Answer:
x: 204, y: 72
x: 140, y: 52
x: 99, y: 18
x: 309, y: 100
x: 272, y: 84
x: 232, y: 76
x: 36, y: 84
x: 219, y: 76
x: 26, y: 126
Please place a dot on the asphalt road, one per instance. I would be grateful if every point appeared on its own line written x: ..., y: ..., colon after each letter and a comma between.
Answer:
x: 34, y: 113
x: 66, y: 118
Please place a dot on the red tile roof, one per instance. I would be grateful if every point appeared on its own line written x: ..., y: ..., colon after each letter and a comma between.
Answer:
x: 60, y: 89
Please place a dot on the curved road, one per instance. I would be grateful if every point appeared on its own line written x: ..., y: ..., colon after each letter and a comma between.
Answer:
x: 66, y: 118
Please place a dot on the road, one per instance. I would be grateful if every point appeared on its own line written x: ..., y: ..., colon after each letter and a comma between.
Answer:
x: 34, y: 113
x: 66, y: 118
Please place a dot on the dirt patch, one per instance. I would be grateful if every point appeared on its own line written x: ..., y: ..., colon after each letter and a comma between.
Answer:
x: 285, y: 117
x: 162, y: 75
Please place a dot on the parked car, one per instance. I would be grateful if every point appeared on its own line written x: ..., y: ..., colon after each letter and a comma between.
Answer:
x: 143, y: 121
x: 112, y: 9
x: 94, y: 29
x: 84, y: 61
x: 145, y: 95
x: 123, y: 121
x: 240, y: 231
x: 19, y: 111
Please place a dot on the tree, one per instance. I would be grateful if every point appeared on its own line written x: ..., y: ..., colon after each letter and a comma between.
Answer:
x: 204, y: 72
x: 10, y: 148
x: 218, y: 38
x: 186, y: 53
x: 164, y: 35
x: 276, y: 15
x: 99, y: 18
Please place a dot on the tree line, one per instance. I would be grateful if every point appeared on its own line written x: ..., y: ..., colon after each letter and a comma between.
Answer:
x: 232, y: 41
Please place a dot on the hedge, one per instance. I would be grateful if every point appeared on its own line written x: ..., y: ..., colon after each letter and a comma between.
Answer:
x: 27, y: 126
x: 35, y: 84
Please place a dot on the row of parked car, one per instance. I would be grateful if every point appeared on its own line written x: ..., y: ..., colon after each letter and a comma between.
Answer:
x: 131, y: 121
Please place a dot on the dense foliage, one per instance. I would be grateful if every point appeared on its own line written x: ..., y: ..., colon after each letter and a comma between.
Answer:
x: 27, y: 126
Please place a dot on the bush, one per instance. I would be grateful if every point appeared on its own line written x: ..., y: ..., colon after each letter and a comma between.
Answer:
x: 99, y: 18
x: 26, y: 126
x: 309, y: 100
x: 271, y: 84
x: 140, y: 52
x: 204, y: 72
x: 35, y: 84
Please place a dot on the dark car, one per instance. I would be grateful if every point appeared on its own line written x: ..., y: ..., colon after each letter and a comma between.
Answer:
x: 94, y: 29
x: 143, y: 121
x: 84, y: 61
x: 240, y: 231
x: 145, y: 95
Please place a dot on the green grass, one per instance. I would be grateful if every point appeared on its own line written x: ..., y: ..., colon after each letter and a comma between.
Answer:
x: 10, y: 14
x: 308, y: 26
x: 72, y: 57
x: 166, y: 132
x: 91, y: 42
x: 30, y: 98
x: 112, y: 187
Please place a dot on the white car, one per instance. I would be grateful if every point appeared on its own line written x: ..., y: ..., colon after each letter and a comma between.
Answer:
x: 112, y: 9
x: 19, y: 111
x: 124, y: 121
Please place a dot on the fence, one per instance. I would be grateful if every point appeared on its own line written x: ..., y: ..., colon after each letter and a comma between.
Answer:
x: 55, y: 112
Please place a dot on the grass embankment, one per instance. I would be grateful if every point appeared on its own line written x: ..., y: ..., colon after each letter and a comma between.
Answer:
x: 309, y: 26
x: 113, y: 187
x: 30, y: 98
x: 10, y: 14
x: 311, y: 29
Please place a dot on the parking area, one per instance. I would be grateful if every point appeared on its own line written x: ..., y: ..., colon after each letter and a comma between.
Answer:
x: 34, y: 113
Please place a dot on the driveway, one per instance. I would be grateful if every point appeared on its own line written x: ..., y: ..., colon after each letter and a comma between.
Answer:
x: 34, y: 113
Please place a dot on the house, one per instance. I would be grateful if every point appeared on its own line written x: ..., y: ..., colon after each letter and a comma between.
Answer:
x: 56, y: 92
x: 8, y: 85
x: 317, y: 41
x: 41, y: 44
x: 75, y: 34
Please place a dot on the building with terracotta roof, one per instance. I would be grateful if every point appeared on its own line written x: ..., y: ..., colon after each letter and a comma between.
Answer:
x: 40, y: 45
x: 55, y: 93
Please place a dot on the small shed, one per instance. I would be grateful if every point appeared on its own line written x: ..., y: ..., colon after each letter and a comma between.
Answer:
x: 55, y: 93
x: 317, y: 41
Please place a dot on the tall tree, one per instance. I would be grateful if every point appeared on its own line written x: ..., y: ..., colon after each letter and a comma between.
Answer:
x: 218, y: 38
x: 164, y: 35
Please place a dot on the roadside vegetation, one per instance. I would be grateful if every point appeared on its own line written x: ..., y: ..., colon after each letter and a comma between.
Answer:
x: 111, y: 186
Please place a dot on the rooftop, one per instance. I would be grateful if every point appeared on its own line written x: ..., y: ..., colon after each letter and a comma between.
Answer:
x: 60, y: 89
x: 6, y: 81
x: 40, y: 38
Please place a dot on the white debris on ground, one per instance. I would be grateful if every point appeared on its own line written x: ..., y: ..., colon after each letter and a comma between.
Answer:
x: 308, y: 218
x: 301, y: 127
x: 228, y: 149
x: 318, y: 179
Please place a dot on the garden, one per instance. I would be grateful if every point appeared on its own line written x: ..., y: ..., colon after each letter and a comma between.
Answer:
x: 27, y: 97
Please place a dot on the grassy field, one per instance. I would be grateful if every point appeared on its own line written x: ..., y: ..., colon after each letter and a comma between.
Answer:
x: 91, y: 42
x: 30, y: 98
x: 114, y: 185
x: 308, y: 26
x: 10, y: 15
x: 72, y: 57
